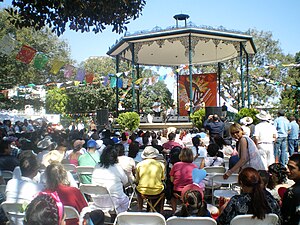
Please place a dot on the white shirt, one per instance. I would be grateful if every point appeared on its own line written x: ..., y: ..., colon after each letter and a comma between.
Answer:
x: 156, y: 106
x: 127, y: 164
x: 264, y: 132
x: 23, y: 189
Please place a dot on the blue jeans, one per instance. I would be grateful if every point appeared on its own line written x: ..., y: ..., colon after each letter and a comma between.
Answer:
x: 293, y: 146
x: 280, y: 149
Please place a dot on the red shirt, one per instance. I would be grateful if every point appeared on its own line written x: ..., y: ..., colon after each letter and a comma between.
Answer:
x: 182, y: 173
x: 171, y: 144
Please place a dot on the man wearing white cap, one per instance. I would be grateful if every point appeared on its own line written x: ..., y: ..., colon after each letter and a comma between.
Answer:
x: 264, y: 135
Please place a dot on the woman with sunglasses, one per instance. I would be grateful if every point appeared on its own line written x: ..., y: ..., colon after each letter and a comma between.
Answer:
x: 248, y: 153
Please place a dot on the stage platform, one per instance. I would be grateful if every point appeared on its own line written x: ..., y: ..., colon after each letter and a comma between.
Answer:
x: 160, y: 126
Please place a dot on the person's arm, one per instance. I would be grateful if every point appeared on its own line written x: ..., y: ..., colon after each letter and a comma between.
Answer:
x: 243, y: 154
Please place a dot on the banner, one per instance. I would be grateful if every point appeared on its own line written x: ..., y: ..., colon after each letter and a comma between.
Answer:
x: 204, y: 91
x: 26, y: 54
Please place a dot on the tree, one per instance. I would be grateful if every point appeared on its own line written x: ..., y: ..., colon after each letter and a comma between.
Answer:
x: 80, y: 15
x: 268, y: 53
x: 56, y: 101
x: 14, y: 72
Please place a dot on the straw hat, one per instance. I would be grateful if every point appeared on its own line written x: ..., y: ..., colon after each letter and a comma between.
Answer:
x: 150, y: 153
x: 78, y: 143
x: 52, y: 156
x: 45, y: 143
x: 263, y: 115
x: 246, y: 120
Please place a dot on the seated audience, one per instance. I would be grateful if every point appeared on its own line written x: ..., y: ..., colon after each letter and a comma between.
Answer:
x: 150, y: 174
x: 110, y: 175
x: 171, y: 143
x: 90, y: 158
x: 45, y: 209
x: 94, y: 217
x: 181, y: 174
x: 199, y: 150
x: 7, y: 161
x: 127, y: 163
x: 254, y: 199
x: 56, y: 181
x: 77, y: 151
x: 22, y: 188
x: 193, y: 204
x: 214, y: 157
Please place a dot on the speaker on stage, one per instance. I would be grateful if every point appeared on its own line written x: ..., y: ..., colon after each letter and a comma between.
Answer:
x: 211, y: 110
x: 157, y: 119
x: 102, y: 118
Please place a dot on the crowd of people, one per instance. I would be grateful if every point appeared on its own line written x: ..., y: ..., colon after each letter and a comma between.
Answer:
x: 162, y: 166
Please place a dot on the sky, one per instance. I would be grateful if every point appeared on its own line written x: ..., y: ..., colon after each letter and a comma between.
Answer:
x: 277, y: 16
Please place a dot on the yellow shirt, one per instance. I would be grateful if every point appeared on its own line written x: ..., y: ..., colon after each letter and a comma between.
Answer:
x: 149, y: 175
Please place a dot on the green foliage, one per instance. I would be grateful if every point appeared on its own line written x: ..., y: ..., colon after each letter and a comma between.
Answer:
x: 129, y: 120
x: 197, y: 118
x: 56, y: 101
x: 14, y: 72
x: 247, y: 112
x: 80, y: 15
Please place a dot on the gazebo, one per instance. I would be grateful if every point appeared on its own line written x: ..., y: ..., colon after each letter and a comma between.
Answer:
x: 190, y: 45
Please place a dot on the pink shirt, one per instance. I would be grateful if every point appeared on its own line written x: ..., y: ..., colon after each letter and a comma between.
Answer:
x: 182, y: 173
x: 170, y: 145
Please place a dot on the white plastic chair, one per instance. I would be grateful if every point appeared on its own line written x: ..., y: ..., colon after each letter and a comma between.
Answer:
x: 14, y: 212
x: 214, y: 169
x: 138, y: 218
x: 2, y: 188
x: 270, y: 219
x: 70, y: 167
x: 7, y: 175
x: 84, y: 170
x: 226, y: 192
x: 174, y: 220
x: 100, y: 195
x: 71, y: 212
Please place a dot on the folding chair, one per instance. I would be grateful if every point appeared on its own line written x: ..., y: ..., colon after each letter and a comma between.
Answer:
x: 71, y: 212
x: 226, y: 192
x: 174, y: 220
x: 70, y: 167
x: 214, y: 169
x: 210, y: 185
x: 137, y: 218
x: 152, y: 201
x: 270, y: 219
x: 2, y: 188
x: 7, y: 175
x: 14, y: 212
x: 84, y: 171
x: 102, y: 196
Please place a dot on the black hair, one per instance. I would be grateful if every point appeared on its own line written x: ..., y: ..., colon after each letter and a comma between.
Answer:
x: 212, y: 149
x: 296, y: 158
x: 4, y: 145
x: 97, y: 216
x: 120, y: 149
x: 171, y: 136
x: 279, y: 173
x: 133, y: 149
x: 109, y: 156
x: 42, y: 211
x: 28, y: 163
x: 196, y: 143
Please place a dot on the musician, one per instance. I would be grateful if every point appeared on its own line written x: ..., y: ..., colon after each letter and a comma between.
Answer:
x: 156, y: 107
x: 188, y: 108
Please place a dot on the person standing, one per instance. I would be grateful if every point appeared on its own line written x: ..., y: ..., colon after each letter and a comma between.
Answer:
x: 283, y: 128
x: 264, y: 140
x: 215, y: 126
x: 156, y: 107
x: 291, y: 200
x: 293, y: 136
x: 187, y: 106
x: 224, y: 110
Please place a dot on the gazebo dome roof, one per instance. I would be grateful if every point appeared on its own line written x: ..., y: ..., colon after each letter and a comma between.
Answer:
x: 170, y: 47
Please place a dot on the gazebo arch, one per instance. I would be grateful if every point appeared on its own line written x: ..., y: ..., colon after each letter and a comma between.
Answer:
x: 189, y: 45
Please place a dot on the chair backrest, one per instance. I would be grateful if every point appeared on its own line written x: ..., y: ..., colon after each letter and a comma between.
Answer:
x: 270, y: 219
x: 100, y: 196
x: 137, y: 218
x: 85, y: 170
x: 71, y: 212
x: 214, y: 169
x: 174, y: 220
x: 70, y: 167
x: 14, y: 212
x: 218, y: 178
x: 7, y: 175
x: 2, y: 188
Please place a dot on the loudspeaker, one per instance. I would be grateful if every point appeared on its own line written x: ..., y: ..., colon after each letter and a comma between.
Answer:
x: 171, y: 119
x: 183, y: 119
x: 211, y: 110
x: 143, y: 119
x: 102, y: 118
x: 157, y: 119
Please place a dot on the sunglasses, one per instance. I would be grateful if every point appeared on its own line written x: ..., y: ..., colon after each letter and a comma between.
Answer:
x: 235, y: 132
